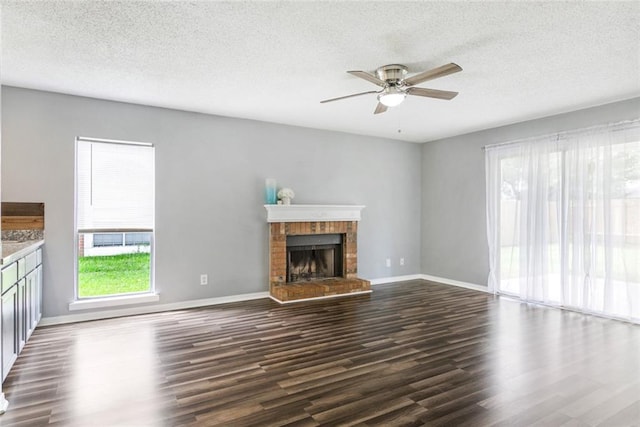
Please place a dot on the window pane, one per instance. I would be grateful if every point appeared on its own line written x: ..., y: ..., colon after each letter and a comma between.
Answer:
x: 107, y: 269
x: 110, y: 239
x: 132, y: 239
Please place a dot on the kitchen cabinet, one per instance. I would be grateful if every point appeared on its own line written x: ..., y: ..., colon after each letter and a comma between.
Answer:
x: 21, y: 307
x: 10, y: 329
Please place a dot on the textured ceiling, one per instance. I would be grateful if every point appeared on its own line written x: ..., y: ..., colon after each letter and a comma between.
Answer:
x: 274, y: 61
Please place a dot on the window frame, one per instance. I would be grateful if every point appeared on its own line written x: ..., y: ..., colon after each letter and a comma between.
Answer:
x: 149, y: 295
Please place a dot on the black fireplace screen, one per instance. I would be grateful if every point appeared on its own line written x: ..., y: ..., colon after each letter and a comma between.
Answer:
x: 314, y: 257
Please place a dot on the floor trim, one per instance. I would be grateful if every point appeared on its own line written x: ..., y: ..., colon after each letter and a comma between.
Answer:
x: 452, y: 282
x: 395, y: 279
x: 98, y: 315
x: 430, y: 278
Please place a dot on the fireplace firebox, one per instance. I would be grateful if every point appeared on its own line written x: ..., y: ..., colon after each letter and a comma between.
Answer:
x: 314, y: 257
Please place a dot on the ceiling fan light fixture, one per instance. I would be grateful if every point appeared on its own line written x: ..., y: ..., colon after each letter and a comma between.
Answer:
x: 391, y: 97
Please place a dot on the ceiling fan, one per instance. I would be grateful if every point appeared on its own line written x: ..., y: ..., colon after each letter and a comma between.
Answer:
x: 395, y: 87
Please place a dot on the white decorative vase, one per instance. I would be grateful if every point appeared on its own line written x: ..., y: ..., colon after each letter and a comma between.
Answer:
x: 286, y: 201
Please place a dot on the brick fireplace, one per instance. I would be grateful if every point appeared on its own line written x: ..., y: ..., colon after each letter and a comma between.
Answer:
x: 313, y: 220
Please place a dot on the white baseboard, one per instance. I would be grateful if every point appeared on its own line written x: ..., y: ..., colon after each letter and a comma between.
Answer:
x: 442, y: 280
x: 395, y: 279
x: 452, y: 282
x: 97, y: 315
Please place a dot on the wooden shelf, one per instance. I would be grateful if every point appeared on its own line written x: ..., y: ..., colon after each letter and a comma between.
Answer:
x: 22, y: 216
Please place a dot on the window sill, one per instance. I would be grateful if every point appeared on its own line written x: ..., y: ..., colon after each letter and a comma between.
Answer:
x: 87, y: 304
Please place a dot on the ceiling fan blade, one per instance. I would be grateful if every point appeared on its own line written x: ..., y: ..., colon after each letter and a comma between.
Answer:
x: 347, y: 96
x: 445, y: 70
x: 431, y: 93
x: 381, y: 108
x: 368, y: 77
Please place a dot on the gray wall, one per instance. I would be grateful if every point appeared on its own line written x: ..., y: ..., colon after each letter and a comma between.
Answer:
x: 210, y: 175
x: 454, y: 241
x: 425, y: 203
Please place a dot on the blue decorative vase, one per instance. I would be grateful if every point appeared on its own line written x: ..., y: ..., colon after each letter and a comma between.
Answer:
x: 270, y: 197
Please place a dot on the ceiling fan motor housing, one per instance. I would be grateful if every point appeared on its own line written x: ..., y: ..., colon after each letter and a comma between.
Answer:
x: 392, y: 74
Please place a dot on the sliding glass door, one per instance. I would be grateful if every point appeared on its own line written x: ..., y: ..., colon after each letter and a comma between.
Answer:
x: 564, y: 220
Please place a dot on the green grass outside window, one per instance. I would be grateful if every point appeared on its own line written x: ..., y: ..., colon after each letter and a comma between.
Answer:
x: 113, y: 274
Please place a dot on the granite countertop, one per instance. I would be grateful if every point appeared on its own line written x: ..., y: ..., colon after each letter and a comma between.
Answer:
x: 12, y: 249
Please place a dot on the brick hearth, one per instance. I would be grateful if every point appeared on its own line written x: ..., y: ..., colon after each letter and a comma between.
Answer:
x: 349, y: 283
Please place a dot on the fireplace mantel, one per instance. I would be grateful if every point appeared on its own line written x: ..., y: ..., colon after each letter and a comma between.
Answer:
x: 313, y: 213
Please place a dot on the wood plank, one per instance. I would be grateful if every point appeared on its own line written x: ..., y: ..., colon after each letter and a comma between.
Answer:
x: 22, y: 209
x: 22, y: 222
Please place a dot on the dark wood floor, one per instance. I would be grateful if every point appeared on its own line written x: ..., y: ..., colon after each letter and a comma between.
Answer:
x: 409, y: 354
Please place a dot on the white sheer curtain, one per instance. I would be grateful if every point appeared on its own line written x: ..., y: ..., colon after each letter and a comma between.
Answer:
x: 563, y: 219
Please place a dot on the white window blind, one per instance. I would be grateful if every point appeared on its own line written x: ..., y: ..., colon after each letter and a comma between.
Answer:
x: 115, y: 186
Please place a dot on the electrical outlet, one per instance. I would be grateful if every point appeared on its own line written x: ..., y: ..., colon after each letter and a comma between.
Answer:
x: 388, y: 263
x: 204, y: 279
x: 401, y: 261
